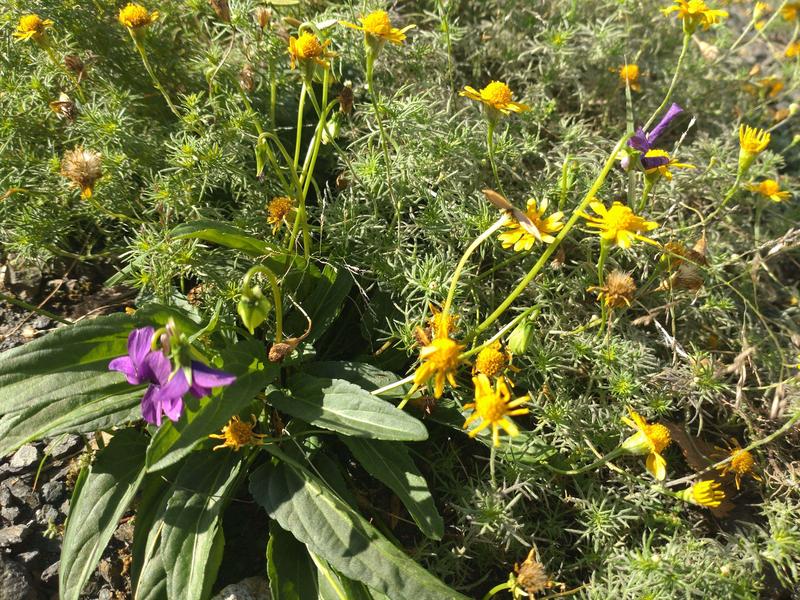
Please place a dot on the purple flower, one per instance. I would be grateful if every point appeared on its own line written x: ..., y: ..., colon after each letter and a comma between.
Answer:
x: 133, y: 365
x: 204, y: 378
x: 165, y: 395
x: 644, y: 141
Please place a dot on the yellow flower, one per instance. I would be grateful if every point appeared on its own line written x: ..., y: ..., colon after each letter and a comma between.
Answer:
x: 663, y: 170
x: 769, y: 188
x: 378, y: 26
x: 650, y: 439
x: 521, y: 238
x: 706, y: 493
x: 629, y: 74
x: 135, y: 16
x: 792, y: 50
x: 492, y: 360
x: 694, y: 13
x: 278, y: 209
x: 752, y: 142
x: 493, y: 407
x: 791, y: 11
x: 439, y: 362
x: 307, y: 48
x: 618, y: 289
x: 496, y: 96
x: 237, y: 434
x: 441, y: 324
x: 618, y: 224
x: 742, y: 463
x: 32, y: 27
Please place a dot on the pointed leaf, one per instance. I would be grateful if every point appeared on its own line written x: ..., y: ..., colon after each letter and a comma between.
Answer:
x: 292, y: 574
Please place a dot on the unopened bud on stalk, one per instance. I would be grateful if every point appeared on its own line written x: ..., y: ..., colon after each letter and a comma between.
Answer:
x: 253, y: 308
x: 519, y: 342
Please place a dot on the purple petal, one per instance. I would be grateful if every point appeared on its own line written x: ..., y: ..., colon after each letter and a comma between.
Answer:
x: 125, y: 365
x: 205, y: 378
x: 651, y: 162
x: 639, y: 141
x: 672, y: 112
x: 139, y: 344
x: 159, y: 367
x: 151, y: 406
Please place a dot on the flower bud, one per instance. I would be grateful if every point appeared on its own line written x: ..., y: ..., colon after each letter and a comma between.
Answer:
x: 520, y: 339
x: 637, y: 444
x: 331, y: 130
x: 253, y: 308
x: 262, y: 16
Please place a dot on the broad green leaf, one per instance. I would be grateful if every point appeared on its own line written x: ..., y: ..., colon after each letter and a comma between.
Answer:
x: 390, y: 463
x: 152, y: 499
x: 292, y: 574
x: 362, y: 374
x: 96, y: 507
x: 344, y: 407
x: 175, y: 440
x: 322, y: 302
x: 302, y: 504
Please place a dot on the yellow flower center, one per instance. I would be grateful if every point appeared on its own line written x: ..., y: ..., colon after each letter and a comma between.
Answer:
x: 621, y: 218
x: 659, y: 436
x: 135, y: 16
x: 377, y: 23
x: 492, y: 405
x: 31, y: 23
x: 491, y: 361
x: 279, y: 208
x: 497, y: 94
x: 308, y: 46
x: 768, y: 187
x: 742, y: 461
x: 443, y: 354
x: 629, y: 73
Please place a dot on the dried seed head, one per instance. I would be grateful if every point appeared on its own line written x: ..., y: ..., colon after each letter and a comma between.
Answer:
x: 618, y: 290
x: 83, y: 168
x: 76, y: 66
x: 64, y: 107
x: 346, y: 98
x: 246, y: 78
x: 281, y: 350
x: 262, y: 16
x: 531, y: 575
x: 222, y: 9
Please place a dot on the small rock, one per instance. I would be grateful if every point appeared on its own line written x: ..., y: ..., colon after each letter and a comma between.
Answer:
x: 41, y: 322
x: 5, y: 495
x: 51, y: 572
x: 111, y: 573
x: 22, y: 492
x: 14, y: 534
x: 14, y: 581
x: 252, y: 588
x: 62, y: 446
x: 10, y: 513
x: 24, y: 458
x: 23, y: 278
x: 27, y: 558
x: 52, y: 491
x: 105, y: 594
x: 46, y: 514
x: 124, y: 532
x: 64, y: 508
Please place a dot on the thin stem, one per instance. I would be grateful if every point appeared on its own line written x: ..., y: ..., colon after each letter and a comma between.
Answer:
x: 60, y: 65
x: 490, y: 146
x: 393, y: 385
x: 299, y: 126
x: 728, y: 195
x: 492, y: 458
x: 596, y: 464
x: 497, y: 589
x: 143, y: 53
x: 601, y: 260
x: 686, y: 38
x: 646, y: 189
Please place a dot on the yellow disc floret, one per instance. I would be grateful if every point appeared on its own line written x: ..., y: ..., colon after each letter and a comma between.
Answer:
x: 497, y: 96
x: 238, y: 433
x: 307, y: 47
x: 32, y: 27
x: 619, y: 224
x: 520, y: 236
x: 492, y: 360
x: 278, y: 210
x: 649, y: 439
x: 136, y: 16
x: 493, y: 407
x: 629, y: 75
x: 440, y: 361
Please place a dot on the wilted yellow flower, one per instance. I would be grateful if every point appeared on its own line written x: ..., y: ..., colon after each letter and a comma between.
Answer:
x: 650, y: 439
x: 377, y: 25
x: 32, y: 27
x: 791, y: 11
x: 618, y: 224
x: 706, y: 493
x: 237, y: 434
x: 278, y: 209
x: 492, y: 360
x: 792, y: 50
x: 617, y: 291
x: 307, y: 48
x: 135, y: 16
x: 531, y: 577
x: 496, y: 96
x: 439, y: 361
x: 663, y: 169
x: 522, y: 238
x: 769, y: 188
x: 629, y: 74
x: 752, y: 142
x: 493, y: 407
x: 83, y: 168
x: 694, y: 13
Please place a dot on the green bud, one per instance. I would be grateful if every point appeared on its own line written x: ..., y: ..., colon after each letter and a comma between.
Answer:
x: 253, y: 308
x: 331, y: 130
x: 520, y: 339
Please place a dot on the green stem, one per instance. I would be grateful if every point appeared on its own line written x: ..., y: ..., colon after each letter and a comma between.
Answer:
x: 728, y: 195
x: 143, y: 53
x: 601, y: 260
x: 497, y: 589
x: 616, y: 452
x: 686, y: 38
x: 551, y: 248
x: 276, y: 295
x: 646, y: 189
x: 490, y: 146
x: 492, y: 458
x: 299, y: 126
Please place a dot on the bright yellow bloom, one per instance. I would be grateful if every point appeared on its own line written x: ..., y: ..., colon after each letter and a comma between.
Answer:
x: 496, y: 96
x: 237, y: 434
x: 441, y: 324
x: 791, y: 11
x: 377, y: 25
x: 522, y: 238
x: 439, y: 361
x: 706, y: 493
x: 650, y: 439
x: 135, y: 16
x: 618, y: 224
x: 664, y: 170
x: 792, y: 50
x: 742, y: 463
x: 307, y: 48
x: 769, y: 188
x: 492, y: 360
x: 629, y: 74
x: 32, y: 27
x: 694, y: 13
x: 493, y: 407
x: 278, y: 209
x: 752, y: 142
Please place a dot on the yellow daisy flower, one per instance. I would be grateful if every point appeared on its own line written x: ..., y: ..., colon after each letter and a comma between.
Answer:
x: 618, y: 224
x: 135, y: 16
x: 791, y: 11
x: 792, y: 50
x: 376, y: 25
x: 307, y: 48
x: 742, y: 463
x: 629, y: 75
x: 706, y: 493
x: 650, y: 439
x: 769, y: 188
x: 278, y: 209
x: 440, y: 361
x: 694, y: 13
x: 32, y: 27
x: 496, y: 96
x: 493, y: 407
x: 523, y: 238
x: 492, y: 360
x: 752, y: 142
x: 237, y: 434
x: 663, y: 170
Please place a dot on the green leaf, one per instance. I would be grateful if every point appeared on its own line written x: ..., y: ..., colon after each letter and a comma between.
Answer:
x: 364, y: 375
x: 292, y: 574
x: 390, y: 463
x: 322, y: 302
x: 96, y: 507
x: 344, y: 407
x: 303, y: 505
x: 175, y: 440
